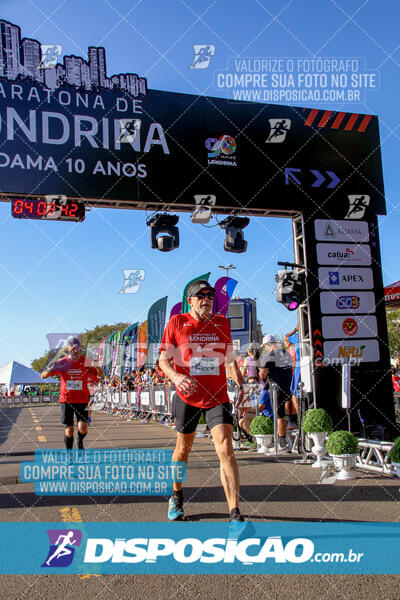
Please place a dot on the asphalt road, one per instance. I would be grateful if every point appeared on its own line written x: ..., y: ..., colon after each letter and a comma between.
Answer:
x: 271, y: 490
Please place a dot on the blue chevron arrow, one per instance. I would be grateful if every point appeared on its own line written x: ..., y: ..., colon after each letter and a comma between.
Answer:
x: 335, y: 179
x: 319, y: 178
x: 290, y: 173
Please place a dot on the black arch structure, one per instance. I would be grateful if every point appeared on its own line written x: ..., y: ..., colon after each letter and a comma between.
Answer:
x: 283, y: 161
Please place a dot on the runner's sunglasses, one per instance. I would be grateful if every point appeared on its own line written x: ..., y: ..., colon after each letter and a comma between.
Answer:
x: 202, y: 295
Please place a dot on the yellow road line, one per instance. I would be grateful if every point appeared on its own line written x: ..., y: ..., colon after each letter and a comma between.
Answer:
x: 70, y: 514
x: 42, y: 438
x: 38, y: 428
x: 36, y: 420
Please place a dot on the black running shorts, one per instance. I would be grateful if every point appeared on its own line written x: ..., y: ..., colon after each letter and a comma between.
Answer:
x: 187, y: 416
x: 69, y: 410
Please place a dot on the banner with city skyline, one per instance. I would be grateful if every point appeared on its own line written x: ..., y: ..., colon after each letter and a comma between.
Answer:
x: 70, y: 129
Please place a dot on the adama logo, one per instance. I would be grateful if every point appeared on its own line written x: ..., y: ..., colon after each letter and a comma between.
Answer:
x: 61, y: 551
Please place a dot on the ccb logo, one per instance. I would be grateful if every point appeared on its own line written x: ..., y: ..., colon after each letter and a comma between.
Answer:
x: 346, y: 302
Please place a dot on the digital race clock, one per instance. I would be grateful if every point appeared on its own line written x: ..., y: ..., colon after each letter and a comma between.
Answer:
x: 51, y: 208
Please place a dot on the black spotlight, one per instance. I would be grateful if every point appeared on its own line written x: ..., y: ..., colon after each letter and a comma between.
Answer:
x: 290, y: 289
x: 234, y: 239
x: 164, y: 223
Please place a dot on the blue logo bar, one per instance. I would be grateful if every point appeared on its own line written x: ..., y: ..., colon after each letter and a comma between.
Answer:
x: 195, y: 548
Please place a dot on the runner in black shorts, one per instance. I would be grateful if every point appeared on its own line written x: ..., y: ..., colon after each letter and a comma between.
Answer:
x: 74, y: 371
x: 195, y: 350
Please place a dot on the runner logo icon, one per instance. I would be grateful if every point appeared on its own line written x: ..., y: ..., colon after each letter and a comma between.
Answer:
x: 357, y: 206
x: 279, y: 129
x: 61, y: 551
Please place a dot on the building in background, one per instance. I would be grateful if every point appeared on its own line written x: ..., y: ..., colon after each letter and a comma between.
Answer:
x: 242, y: 315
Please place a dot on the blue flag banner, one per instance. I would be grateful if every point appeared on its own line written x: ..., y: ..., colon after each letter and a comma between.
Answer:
x: 198, y: 548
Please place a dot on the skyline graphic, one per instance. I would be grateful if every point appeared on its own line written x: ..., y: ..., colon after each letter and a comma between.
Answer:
x: 21, y: 59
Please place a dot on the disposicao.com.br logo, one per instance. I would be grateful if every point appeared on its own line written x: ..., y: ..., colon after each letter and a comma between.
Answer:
x: 210, y: 551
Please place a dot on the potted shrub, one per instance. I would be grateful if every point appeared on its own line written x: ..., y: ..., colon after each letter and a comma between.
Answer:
x: 394, y: 455
x: 318, y: 424
x: 201, y: 427
x: 262, y: 428
x: 343, y: 447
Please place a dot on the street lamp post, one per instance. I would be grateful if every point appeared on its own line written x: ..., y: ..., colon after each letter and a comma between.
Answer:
x: 227, y: 269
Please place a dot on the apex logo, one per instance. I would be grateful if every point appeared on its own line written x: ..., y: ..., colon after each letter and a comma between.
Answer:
x: 61, y: 551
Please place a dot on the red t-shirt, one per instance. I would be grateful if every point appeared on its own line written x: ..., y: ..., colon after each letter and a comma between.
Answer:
x: 74, y: 388
x: 198, y: 349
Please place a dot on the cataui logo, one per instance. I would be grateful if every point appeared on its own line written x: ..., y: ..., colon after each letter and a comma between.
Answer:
x: 346, y: 302
x: 62, y: 547
x: 357, y: 206
x: 132, y: 280
x: 202, y: 55
x: 279, y: 129
x: 350, y: 326
x: 221, y: 151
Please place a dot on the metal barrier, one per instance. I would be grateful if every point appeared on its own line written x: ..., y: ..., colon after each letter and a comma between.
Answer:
x: 18, y: 401
x: 146, y: 403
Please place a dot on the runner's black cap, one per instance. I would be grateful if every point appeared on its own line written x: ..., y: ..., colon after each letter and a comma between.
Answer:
x: 197, y: 286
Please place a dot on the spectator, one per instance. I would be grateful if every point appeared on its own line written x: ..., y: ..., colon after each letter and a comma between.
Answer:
x: 250, y: 364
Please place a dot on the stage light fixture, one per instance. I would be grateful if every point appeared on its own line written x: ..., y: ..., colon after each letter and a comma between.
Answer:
x: 234, y: 238
x: 290, y: 289
x: 164, y: 223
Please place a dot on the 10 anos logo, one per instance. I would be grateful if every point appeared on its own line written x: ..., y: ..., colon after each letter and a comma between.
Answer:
x: 346, y: 302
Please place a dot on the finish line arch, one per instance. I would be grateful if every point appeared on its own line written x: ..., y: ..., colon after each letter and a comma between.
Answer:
x: 157, y: 150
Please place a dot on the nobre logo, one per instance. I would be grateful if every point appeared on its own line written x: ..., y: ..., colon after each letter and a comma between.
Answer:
x: 192, y: 550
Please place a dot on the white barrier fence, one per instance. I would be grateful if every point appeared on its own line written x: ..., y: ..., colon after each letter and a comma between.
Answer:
x: 147, y: 403
x: 18, y: 401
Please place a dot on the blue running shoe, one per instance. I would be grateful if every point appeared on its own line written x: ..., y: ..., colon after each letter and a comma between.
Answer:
x: 239, y: 528
x: 175, y: 509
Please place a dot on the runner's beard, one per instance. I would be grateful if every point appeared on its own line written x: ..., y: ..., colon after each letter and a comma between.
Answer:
x: 205, y: 311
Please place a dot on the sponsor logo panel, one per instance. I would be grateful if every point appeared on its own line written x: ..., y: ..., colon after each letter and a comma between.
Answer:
x: 350, y: 350
x: 346, y: 254
x: 349, y: 327
x: 345, y: 278
x: 344, y: 303
x: 341, y: 231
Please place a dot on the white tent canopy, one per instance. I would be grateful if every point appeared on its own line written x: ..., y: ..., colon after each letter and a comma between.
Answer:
x: 14, y: 373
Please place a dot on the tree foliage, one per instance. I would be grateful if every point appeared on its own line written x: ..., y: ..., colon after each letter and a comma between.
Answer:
x: 393, y: 325
x: 89, y: 336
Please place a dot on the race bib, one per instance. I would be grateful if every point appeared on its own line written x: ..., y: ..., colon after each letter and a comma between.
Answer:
x: 204, y: 365
x: 74, y: 385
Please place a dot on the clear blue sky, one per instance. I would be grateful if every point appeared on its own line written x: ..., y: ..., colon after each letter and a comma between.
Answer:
x: 59, y: 277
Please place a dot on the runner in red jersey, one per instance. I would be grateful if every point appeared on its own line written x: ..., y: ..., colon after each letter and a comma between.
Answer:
x: 74, y: 370
x: 195, y: 349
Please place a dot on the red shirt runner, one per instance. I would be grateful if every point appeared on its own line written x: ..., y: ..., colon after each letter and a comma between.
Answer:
x: 74, y: 388
x: 198, y: 349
